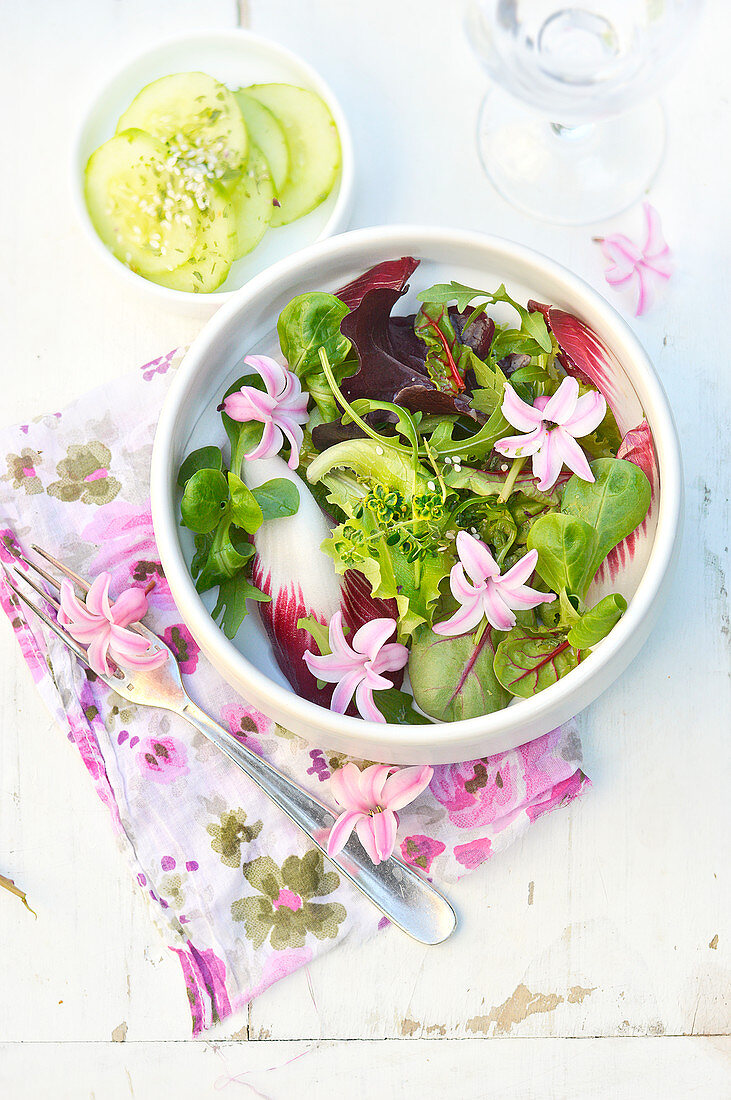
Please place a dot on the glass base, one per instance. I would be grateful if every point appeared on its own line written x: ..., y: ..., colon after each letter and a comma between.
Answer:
x: 569, y: 175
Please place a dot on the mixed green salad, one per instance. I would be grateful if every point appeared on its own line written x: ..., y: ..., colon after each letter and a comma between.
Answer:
x: 418, y: 504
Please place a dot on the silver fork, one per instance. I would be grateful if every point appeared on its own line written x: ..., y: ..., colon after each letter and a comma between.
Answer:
x: 409, y: 901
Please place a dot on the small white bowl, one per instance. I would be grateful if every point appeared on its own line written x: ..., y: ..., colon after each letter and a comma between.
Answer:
x: 248, y: 325
x: 236, y: 58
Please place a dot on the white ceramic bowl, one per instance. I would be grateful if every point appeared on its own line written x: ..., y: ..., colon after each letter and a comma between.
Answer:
x: 247, y: 324
x: 237, y: 58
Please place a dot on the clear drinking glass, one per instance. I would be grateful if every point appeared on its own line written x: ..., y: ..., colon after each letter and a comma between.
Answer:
x: 568, y: 133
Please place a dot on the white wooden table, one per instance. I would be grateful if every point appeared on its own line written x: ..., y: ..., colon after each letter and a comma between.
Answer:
x: 592, y: 959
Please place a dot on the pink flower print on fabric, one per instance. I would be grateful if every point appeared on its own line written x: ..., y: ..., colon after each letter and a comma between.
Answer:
x: 101, y: 626
x: 474, y: 853
x: 490, y: 596
x: 282, y: 409
x: 184, y: 647
x: 127, y: 550
x: 205, y: 979
x: 358, y: 668
x: 478, y: 792
x: 276, y: 966
x: 286, y: 898
x: 246, y: 724
x: 162, y: 759
x: 640, y: 267
x: 369, y: 800
x: 421, y: 851
x: 159, y: 366
x: 558, y: 795
x: 553, y: 424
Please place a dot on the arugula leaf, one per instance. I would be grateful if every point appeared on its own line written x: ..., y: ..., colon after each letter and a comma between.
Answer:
x: 230, y: 607
x: 533, y: 324
x: 478, y: 445
x: 444, y: 293
x: 205, y: 497
x: 596, y: 623
x: 511, y: 341
x: 613, y: 505
x: 566, y: 549
x: 307, y: 323
x: 491, y: 381
x: 205, y: 458
x: 526, y: 662
x: 452, y: 678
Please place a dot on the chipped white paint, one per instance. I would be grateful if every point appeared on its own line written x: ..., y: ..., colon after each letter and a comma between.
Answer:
x: 607, y: 920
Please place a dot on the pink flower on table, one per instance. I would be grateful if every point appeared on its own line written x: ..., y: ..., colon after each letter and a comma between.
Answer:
x: 358, y: 668
x: 369, y: 800
x: 553, y: 425
x: 635, y: 266
x: 282, y: 409
x: 489, y: 596
x: 101, y: 625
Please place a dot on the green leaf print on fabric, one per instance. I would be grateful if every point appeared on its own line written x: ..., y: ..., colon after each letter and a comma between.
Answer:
x: 230, y: 834
x: 284, y: 907
x: 22, y: 471
x: 84, y: 475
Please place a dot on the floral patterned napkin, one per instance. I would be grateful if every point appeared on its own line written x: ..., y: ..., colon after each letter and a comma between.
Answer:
x: 238, y: 893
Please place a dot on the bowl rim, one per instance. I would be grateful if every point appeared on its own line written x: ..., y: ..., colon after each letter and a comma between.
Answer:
x: 402, y: 239
x: 335, y: 223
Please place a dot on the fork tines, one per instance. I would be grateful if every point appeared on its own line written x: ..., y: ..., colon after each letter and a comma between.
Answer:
x: 51, y: 623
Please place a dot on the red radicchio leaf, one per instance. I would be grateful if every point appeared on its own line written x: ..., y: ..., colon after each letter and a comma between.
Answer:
x: 359, y: 607
x: 636, y: 447
x: 585, y: 357
x: 391, y: 274
x: 290, y: 567
x: 289, y: 642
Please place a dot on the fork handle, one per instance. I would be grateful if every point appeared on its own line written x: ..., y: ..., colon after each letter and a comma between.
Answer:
x: 402, y: 895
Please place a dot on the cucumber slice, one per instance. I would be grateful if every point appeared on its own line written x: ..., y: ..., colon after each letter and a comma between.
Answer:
x: 314, y: 147
x: 198, y: 119
x: 253, y: 202
x: 128, y: 189
x: 266, y: 133
x: 214, y: 250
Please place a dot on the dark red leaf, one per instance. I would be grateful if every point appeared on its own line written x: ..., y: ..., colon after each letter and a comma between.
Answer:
x: 391, y: 274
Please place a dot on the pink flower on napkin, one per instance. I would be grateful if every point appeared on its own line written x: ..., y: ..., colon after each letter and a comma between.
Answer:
x: 369, y: 800
x: 282, y: 409
x: 639, y: 267
x: 101, y: 626
x: 553, y: 425
x: 490, y: 596
x: 162, y: 759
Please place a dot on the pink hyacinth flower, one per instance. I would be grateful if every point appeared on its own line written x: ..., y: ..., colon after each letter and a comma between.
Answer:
x: 100, y: 625
x: 358, y: 668
x: 635, y: 266
x: 553, y: 425
x: 369, y: 800
x: 282, y: 409
x: 489, y: 596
